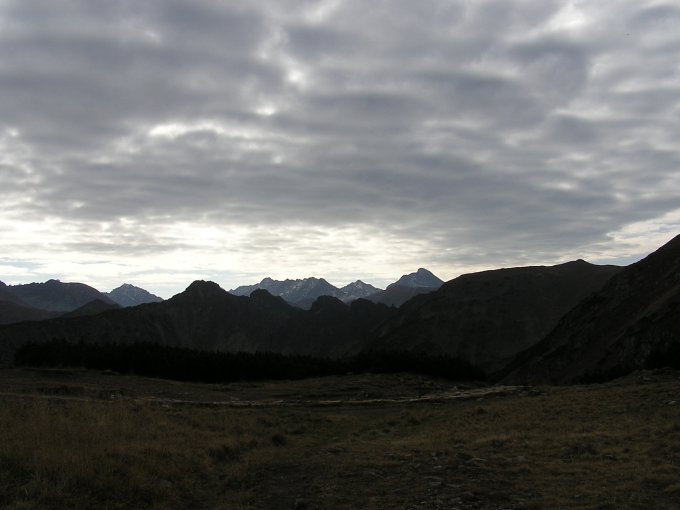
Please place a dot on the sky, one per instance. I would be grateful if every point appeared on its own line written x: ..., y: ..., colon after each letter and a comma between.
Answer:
x: 156, y: 143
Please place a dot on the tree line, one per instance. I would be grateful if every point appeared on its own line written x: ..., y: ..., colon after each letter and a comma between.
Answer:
x: 155, y: 360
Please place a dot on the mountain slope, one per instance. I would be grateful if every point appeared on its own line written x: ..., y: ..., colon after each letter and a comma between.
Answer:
x: 11, y: 312
x: 486, y: 318
x: 92, y: 308
x: 57, y: 296
x: 130, y: 295
x: 632, y: 323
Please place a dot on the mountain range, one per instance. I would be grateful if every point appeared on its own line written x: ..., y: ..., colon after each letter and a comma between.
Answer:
x: 484, y: 318
x: 206, y: 317
x: 53, y: 298
x: 557, y: 324
x: 303, y: 292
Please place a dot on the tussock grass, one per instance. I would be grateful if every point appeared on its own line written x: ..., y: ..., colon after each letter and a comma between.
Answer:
x: 584, y: 447
x: 122, y: 455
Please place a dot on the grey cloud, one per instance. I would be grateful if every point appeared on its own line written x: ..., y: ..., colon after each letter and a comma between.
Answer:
x: 465, y: 124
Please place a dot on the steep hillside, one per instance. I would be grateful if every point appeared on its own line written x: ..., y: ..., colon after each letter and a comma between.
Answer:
x: 632, y: 323
x: 486, y: 318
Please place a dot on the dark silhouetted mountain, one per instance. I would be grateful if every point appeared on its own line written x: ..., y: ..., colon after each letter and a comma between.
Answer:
x: 129, y: 295
x: 5, y: 293
x: 11, y: 312
x: 54, y: 295
x: 407, y: 287
x: 332, y: 328
x: 633, y: 322
x: 486, y: 318
x: 13, y: 309
x: 206, y: 317
x: 92, y: 308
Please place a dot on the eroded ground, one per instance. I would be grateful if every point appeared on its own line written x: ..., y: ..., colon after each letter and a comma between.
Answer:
x: 84, y: 439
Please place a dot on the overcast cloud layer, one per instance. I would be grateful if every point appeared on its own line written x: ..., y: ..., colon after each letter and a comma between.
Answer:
x: 160, y: 142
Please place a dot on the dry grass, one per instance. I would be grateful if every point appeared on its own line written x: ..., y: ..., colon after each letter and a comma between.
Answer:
x: 596, y: 447
x: 122, y: 455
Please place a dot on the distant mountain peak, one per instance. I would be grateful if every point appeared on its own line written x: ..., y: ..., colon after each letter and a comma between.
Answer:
x: 204, y: 289
x: 131, y: 295
x: 421, y: 278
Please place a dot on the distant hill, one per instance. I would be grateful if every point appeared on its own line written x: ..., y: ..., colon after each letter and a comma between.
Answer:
x: 303, y: 292
x: 407, y: 287
x: 633, y: 322
x: 129, y: 295
x: 56, y: 296
x: 486, y: 318
x: 92, y: 308
x: 205, y: 317
x: 14, y: 309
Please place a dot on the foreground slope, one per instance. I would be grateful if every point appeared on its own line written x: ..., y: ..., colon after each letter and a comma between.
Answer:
x: 633, y: 322
x: 486, y: 318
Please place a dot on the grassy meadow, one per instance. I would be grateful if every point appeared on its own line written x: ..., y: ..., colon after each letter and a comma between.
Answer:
x: 71, y: 444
